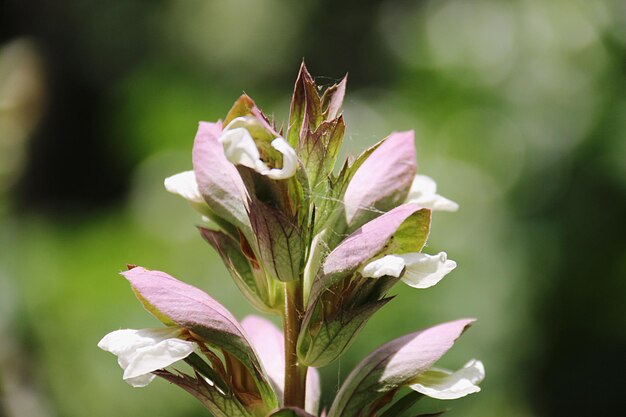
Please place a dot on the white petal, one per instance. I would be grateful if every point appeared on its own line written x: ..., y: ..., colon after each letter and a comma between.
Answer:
x: 434, y: 202
x: 158, y: 356
x: 290, y: 161
x: 119, y: 342
x: 391, y: 265
x: 421, y: 185
x: 240, y: 149
x: 140, y: 381
x: 184, y: 184
x: 423, y: 192
x: 446, y: 385
x: 139, y: 352
x: 423, y: 271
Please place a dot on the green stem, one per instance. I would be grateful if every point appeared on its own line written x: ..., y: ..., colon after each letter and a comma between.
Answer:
x: 295, y: 374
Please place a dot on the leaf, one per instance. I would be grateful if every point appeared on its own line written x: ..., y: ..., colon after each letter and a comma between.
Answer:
x: 322, y: 339
x: 218, y: 180
x: 331, y: 209
x: 382, y: 182
x: 394, y: 365
x: 298, y: 109
x: 318, y: 152
x: 242, y: 107
x: 218, y: 403
x: 204, y: 369
x: 336, y: 314
x: 436, y: 414
x: 412, y: 234
x: 174, y: 302
x: 403, y: 404
x: 332, y: 99
x: 280, y: 242
x: 245, y: 106
x: 249, y: 280
x: 372, y: 238
x: 306, y: 108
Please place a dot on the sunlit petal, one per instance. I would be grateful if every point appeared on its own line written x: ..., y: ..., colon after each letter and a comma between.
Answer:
x: 446, y: 385
x: 423, y: 270
x: 423, y: 192
x: 184, y: 184
x: 391, y: 265
x: 240, y: 149
x: 141, y: 352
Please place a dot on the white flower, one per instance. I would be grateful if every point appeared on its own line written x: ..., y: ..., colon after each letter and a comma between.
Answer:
x: 240, y: 149
x: 184, y: 184
x: 446, y: 385
x: 140, y: 352
x: 422, y: 270
x: 423, y: 192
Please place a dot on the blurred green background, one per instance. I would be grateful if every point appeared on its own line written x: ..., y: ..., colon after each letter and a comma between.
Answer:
x: 519, y: 109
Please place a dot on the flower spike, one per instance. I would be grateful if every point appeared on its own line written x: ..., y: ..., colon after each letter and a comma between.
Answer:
x: 318, y: 245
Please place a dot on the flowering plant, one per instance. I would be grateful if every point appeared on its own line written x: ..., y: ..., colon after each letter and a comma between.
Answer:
x: 318, y: 248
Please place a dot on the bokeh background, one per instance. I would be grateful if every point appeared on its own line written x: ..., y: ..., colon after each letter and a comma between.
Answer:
x: 519, y: 109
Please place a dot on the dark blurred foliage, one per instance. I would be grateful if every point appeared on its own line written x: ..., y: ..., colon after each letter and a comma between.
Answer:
x: 581, y: 315
x: 519, y: 111
x: 88, y: 46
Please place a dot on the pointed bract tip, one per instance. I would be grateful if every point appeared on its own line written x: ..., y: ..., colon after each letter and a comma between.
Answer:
x: 133, y: 270
x: 304, y: 73
x: 469, y: 322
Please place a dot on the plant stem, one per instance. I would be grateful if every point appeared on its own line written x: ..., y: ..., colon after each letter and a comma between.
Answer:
x: 295, y: 374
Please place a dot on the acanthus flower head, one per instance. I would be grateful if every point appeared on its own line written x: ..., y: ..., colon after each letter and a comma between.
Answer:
x: 141, y: 352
